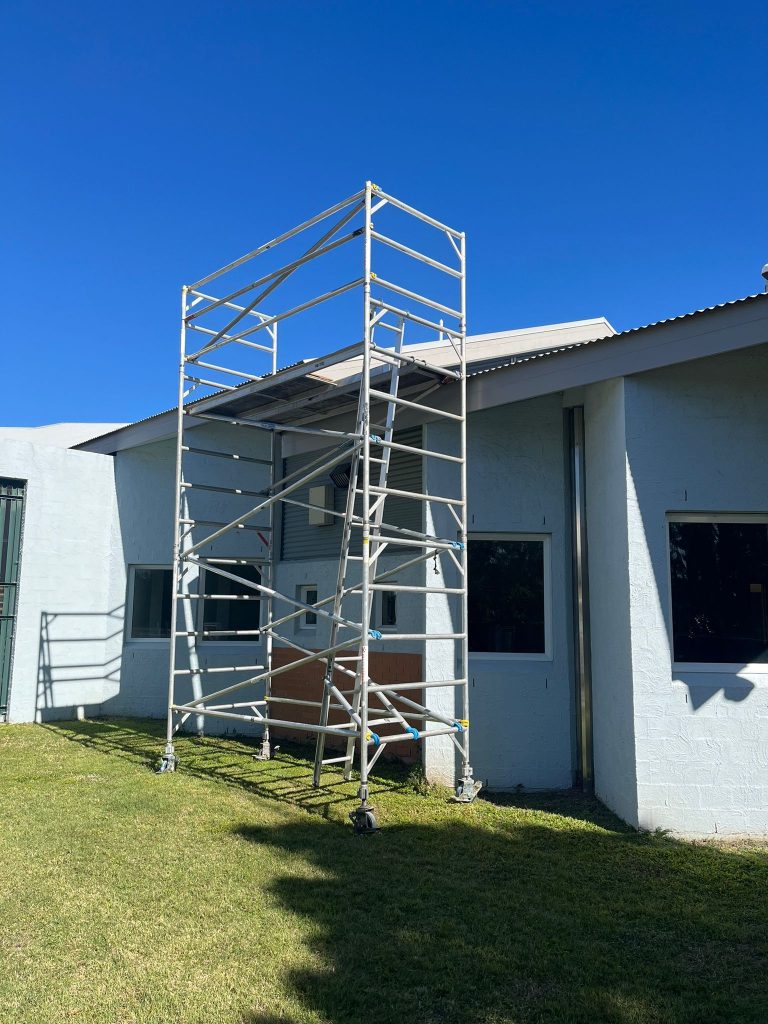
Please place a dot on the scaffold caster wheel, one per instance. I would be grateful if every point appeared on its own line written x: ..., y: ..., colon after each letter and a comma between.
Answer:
x: 168, y: 763
x: 467, y: 790
x: 363, y: 821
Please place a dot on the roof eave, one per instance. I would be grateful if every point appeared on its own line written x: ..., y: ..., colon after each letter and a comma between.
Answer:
x: 706, y: 332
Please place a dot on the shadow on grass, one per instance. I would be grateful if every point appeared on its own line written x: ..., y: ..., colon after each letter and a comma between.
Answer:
x: 288, y: 777
x: 572, y: 802
x: 515, y: 921
x: 504, y: 914
x: 230, y: 761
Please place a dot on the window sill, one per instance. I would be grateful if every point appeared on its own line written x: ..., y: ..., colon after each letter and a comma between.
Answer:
x: 720, y: 668
x: 508, y: 656
x: 206, y: 644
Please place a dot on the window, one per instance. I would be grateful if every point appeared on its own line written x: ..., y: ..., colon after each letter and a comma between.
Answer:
x: 308, y: 595
x: 719, y: 581
x: 388, y: 609
x: 150, y: 602
x: 509, y: 594
x: 234, y: 611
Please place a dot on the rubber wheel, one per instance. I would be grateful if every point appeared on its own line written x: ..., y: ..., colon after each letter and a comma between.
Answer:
x: 364, y: 822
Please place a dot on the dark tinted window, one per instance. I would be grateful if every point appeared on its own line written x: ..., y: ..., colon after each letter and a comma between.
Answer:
x: 506, y: 596
x: 388, y: 608
x: 151, y: 611
x: 310, y: 597
x: 719, y: 584
x: 236, y: 613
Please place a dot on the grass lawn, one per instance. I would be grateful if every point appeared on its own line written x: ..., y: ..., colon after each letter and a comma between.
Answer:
x: 232, y: 893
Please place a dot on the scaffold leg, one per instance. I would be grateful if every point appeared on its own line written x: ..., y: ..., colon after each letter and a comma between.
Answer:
x: 320, y: 748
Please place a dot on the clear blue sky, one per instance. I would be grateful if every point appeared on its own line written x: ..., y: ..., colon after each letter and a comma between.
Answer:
x: 603, y: 158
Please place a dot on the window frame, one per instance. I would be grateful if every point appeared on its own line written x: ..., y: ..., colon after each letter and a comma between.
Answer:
x: 380, y: 609
x: 128, y: 637
x: 302, y: 626
x: 212, y: 641
x: 546, y: 654
x: 718, y: 667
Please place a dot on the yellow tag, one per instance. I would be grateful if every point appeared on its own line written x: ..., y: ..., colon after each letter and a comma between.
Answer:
x: 464, y: 723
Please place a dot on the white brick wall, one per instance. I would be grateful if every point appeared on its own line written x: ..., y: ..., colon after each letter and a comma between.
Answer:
x: 613, y: 719
x: 696, y: 440
x: 69, y: 622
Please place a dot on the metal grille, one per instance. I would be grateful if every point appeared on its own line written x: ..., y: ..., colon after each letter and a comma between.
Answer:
x: 11, y: 520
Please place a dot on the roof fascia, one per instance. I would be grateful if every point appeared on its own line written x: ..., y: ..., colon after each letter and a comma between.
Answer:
x: 713, y: 332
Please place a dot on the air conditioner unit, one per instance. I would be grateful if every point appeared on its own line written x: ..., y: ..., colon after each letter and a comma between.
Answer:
x: 322, y: 498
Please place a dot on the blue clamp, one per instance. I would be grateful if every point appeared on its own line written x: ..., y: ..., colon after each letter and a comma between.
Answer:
x: 412, y: 731
x: 374, y: 634
x: 457, y: 544
x: 373, y: 737
x: 375, y: 439
x: 458, y: 726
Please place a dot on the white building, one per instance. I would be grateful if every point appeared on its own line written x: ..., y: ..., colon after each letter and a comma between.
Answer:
x: 618, y: 561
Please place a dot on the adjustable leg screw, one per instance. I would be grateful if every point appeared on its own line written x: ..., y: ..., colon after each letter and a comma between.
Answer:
x: 168, y: 761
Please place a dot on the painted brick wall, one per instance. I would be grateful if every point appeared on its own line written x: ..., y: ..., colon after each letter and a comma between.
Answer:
x: 606, y: 491
x: 70, y: 611
x: 696, y: 441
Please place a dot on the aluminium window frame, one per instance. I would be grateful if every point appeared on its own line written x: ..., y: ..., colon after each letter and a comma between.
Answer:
x: 546, y: 540
x: 708, y: 667
x: 302, y: 626
x: 128, y: 638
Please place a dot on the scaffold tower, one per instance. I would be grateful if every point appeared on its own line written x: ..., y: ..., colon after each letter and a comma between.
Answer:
x: 402, y: 362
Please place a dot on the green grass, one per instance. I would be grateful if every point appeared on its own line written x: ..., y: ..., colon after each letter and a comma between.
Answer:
x: 232, y: 893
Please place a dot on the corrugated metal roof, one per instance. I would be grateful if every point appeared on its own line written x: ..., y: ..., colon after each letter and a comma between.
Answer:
x: 545, y: 353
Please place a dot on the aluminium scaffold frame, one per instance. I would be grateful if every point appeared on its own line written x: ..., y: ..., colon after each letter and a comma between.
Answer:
x: 370, y: 714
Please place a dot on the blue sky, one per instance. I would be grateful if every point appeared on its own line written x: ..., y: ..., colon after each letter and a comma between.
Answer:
x: 603, y: 158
